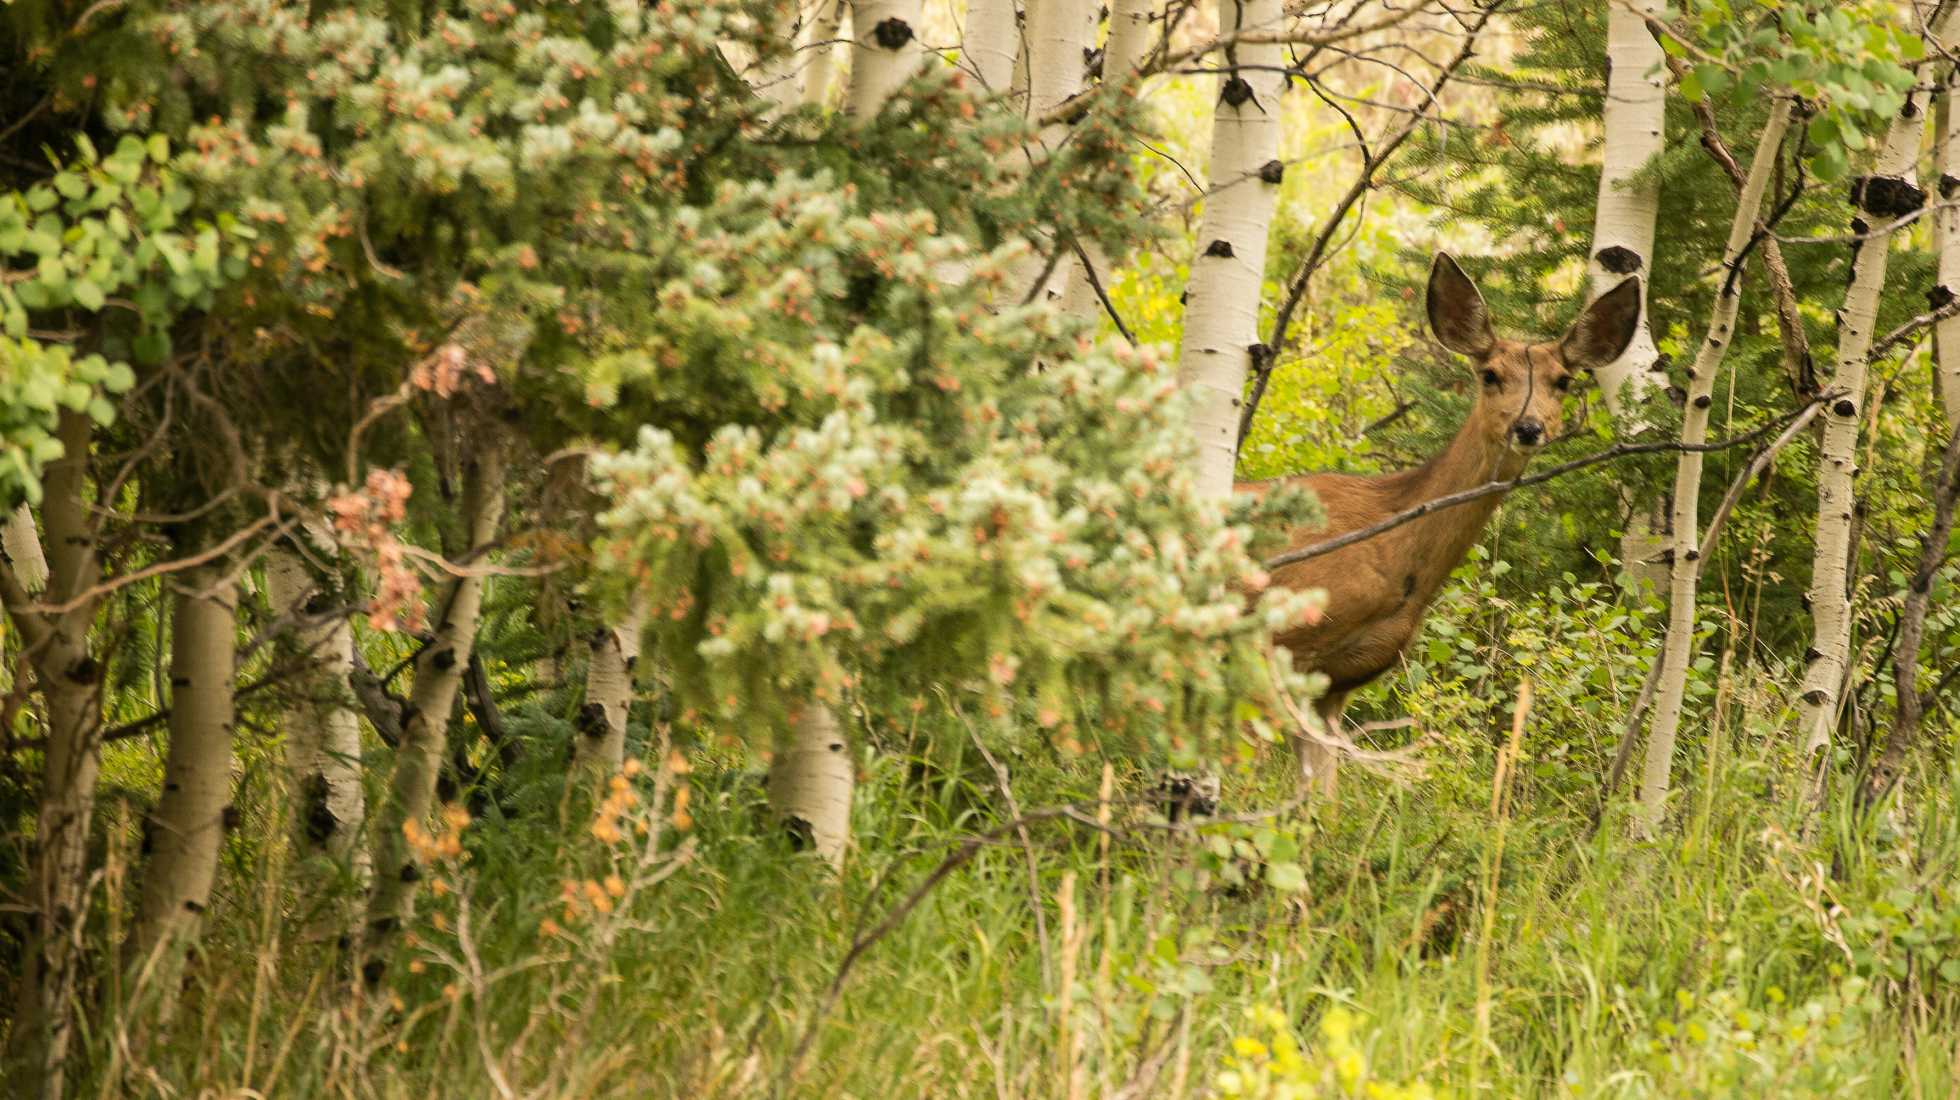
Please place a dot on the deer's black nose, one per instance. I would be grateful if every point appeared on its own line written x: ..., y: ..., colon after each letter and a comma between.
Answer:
x: 1529, y: 431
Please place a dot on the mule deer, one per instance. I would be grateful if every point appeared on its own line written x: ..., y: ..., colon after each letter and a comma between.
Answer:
x: 1378, y: 588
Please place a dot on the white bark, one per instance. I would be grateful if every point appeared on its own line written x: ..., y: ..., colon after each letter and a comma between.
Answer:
x: 1221, y: 314
x: 810, y: 781
x: 600, y: 746
x: 20, y: 548
x: 418, y: 759
x: 1123, y: 50
x: 1946, y: 333
x: 801, y: 73
x: 1060, y: 35
x: 186, y: 830
x: 322, y: 728
x: 70, y: 681
x: 827, y: 26
x: 1129, y: 38
x: 1623, y: 242
x: 884, y: 52
x: 1678, y: 651
x: 1830, y: 605
x: 1624, y: 217
x: 990, y: 42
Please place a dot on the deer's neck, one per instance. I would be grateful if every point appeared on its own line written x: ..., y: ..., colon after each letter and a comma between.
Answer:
x: 1471, y: 460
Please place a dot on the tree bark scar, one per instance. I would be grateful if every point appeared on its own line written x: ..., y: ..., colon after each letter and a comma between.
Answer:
x: 892, y: 34
x: 1221, y: 248
x: 1272, y: 171
x: 592, y: 720
x: 1237, y: 92
x: 1887, y: 197
x: 1619, y: 260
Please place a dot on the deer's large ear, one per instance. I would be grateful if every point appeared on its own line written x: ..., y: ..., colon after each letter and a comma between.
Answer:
x: 1605, y: 329
x: 1457, y: 314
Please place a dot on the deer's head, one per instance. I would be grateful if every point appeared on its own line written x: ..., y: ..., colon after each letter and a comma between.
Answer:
x: 1521, y: 385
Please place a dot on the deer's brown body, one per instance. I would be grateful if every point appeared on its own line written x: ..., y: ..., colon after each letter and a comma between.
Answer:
x: 1378, y: 589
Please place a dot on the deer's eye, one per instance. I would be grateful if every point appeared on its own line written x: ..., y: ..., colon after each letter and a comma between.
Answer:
x: 1490, y: 378
x: 1563, y: 384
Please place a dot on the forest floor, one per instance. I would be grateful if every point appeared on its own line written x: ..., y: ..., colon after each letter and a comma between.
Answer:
x: 1409, y: 939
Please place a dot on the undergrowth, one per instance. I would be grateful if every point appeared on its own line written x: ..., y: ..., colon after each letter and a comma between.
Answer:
x: 1040, y: 930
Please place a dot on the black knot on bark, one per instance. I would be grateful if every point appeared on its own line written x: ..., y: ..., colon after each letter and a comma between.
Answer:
x: 1702, y: 401
x: 1939, y: 297
x: 411, y: 873
x: 85, y: 671
x: 1220, y: 247
x: 802, y: 835
x: 193, y: 905
x: 1618, y: 260
x: 229, y: 818
x: 443, y: 659
x: 372, y: 970
x: 1260, y: 353
x: 1272, y: 171
x: 1810, y: 653
x: 1237, y: 92
x: 316, y: 817
x: 892, y: 33
x: 1844, y: 407
x: 1692, y: 555
x: 1887, y: 196
x: 1948, y: 185
x: 1092, y: 63
x: 592, y: 720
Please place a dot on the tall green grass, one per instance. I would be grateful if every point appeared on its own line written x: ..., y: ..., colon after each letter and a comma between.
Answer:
x: 1758, y: 949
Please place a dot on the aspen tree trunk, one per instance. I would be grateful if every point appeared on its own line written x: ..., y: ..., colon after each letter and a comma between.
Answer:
x: 70, y: 683
x: 20, y: 547
x: 788, y: 80
x: 1129, y: 38
x: 1946, y: 332
x: 811, y: 775
x: 186, y: 830
x: 885, y: 51
x: 810, y: 782
x: 600, y: 748
x: 1678, y: 651
x: 1623, y: 240
x: 1061, y: 34
x: 1221, y: 313
x: 821, y: 71
x: 1123, y: 50
x: 1877, y: 201
x: 990, y: 41
x: 418, y: 760
x: 321, y: 727
x: 1624, y: 217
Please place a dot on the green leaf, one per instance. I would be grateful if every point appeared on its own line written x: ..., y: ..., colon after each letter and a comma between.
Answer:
x: 87, y: 294
x: 1286, y: 876
x: 159, y: 147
